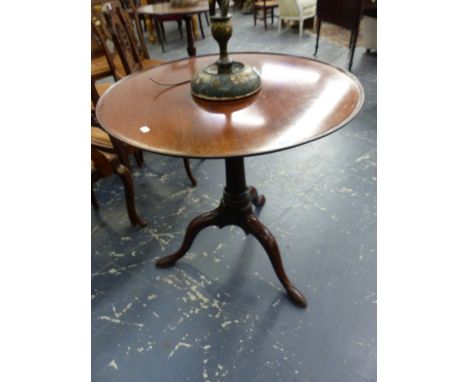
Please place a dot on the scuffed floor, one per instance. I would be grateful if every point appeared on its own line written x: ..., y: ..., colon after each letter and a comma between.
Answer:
x: 221, y: 314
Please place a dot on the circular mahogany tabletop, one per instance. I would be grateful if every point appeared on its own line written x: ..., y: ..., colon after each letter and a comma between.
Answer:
x: 301, y: 100
x: 160, y: 9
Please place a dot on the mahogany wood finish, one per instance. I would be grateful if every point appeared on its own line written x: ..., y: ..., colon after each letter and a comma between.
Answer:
x: 104, y: 142
x: 131, y: 48
x: 301, y: 100
x: 132, y: 23
x: 109, y: 64
x: 104, y: 164
x: 164, y: 10
x: 236, y: 209
x: 108, y: 156
x: 344, y: 13
x: 263, y: 8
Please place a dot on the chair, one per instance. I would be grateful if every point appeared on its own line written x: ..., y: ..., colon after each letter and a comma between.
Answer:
x: 110, y: 156
x: 129, y: 45
x: 125, y: 41
x: 108, y: 64
x: 262, y: 7
x: 297, y: 10
x: 344, y: 13
x: 100, y: 67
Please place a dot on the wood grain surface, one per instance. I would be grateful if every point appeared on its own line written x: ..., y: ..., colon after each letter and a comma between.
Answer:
x: 300, y: 101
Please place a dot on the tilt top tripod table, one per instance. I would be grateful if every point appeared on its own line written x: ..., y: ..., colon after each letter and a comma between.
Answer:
x: 301, y: 100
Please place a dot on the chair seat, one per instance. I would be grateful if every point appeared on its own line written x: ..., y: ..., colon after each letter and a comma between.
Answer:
x: 101, y: 88
x: 100, y: 67
x: 267, y: 4
x: 146, y: 63
x: 290, y: 8
x: 100, y: 139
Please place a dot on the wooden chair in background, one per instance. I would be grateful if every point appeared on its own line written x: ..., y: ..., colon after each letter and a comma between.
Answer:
x: 129, y: 44
x: 344, y: 13
x: 262, y: 8
x: 110, y: 156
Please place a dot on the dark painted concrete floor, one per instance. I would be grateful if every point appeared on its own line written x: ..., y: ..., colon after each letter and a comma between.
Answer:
x: 220, y: 314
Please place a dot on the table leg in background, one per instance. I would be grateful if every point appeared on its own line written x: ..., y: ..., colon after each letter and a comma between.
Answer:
x: 191, y: 50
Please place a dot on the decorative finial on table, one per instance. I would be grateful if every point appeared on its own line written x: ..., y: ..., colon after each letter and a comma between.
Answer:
x: 225, y: 79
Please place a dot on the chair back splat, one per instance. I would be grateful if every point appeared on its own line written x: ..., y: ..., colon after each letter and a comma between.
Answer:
x: 122, y: 36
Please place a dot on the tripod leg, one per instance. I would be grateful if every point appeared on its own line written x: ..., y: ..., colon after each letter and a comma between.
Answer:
x: 268, y: 241
x: 257, y: 200
x: 195, y: 226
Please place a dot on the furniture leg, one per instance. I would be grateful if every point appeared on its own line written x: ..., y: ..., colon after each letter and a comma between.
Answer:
x: 94, y: 179
x: 207, y: 19
x: 353, y: 47
x: 268, y: 242
x: 150, y: 27
x: 191, y: 50
x: 179, y: 26
x: 196, y: 225
x: 138, y: 158
x: 121, y: 151
x: 201, y: 25
x: 189, y: 172
x: 319, y: 24
x: 255, y: 16
x: 351, y: 40
x: 236, y: 209
x: 265, y: 17
x: 195, y: 27
x: 257, y: 200
x: 161, y: 24
x: 272, y: 15
x: 301, y: 27
x: 93, y: 199
x: 157, y: 27
x: 140, y: 154
x: 126, y: 177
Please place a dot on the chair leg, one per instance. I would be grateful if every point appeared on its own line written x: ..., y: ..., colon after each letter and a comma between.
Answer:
x: 93, y: 199
x: 179, y: 26
x: 272, y: 15
x: 255, y: 16
x: 163, y: 30
x: 301, y: 27
x: 189, y: 172
x: 265, y: 17
x: 201, y: 25
x: 319, y: 24
x: 280, y: 21
x: 126, y: 178
x: 139, y: 158
x: 207, y: 19
x: 353, y: 47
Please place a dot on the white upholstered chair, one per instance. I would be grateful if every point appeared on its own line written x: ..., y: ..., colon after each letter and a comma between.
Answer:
x: 298, y: 10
